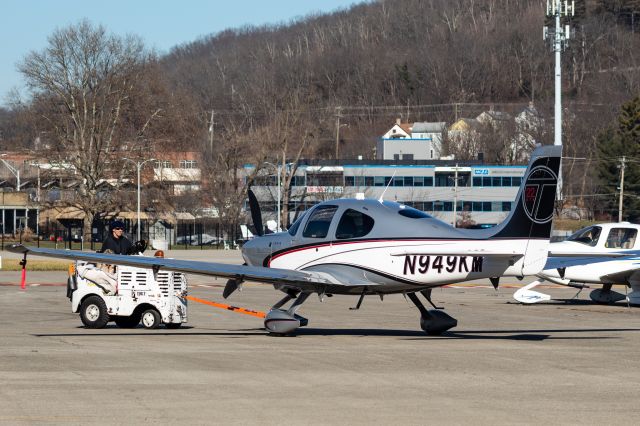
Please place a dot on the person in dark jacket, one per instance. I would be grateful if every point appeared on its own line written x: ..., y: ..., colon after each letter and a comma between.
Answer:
x: 116, y: 241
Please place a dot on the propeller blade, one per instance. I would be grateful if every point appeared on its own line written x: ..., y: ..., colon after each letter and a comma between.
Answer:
x: 256, y: 215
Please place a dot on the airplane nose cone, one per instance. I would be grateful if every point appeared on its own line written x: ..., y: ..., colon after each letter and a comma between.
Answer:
x: 251, y: 252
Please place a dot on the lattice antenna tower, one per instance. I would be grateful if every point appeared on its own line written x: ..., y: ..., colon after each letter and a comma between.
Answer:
x: 558, y: 37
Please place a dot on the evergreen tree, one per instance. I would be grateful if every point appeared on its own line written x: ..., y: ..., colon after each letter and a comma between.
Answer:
x: 621, y: 140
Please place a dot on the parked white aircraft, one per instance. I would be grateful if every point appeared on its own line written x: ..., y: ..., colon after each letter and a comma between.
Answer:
x: 375, y: 247
x: 606, y: 254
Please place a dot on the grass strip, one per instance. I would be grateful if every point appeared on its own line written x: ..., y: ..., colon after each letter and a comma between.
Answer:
x: 35, y: 265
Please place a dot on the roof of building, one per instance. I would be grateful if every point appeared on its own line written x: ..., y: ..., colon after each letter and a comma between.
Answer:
x: 427, y: 127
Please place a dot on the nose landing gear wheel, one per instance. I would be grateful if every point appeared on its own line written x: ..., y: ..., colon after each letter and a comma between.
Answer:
x: 150, y: 319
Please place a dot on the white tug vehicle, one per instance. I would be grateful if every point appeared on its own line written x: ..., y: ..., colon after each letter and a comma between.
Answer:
x: 141, y: 295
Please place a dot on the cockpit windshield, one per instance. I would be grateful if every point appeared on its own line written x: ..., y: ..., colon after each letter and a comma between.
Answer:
x: 294, y: 228
x: 588, y: 236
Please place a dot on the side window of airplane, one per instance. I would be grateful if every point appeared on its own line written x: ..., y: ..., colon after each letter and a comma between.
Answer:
x: 588, y: 236
x: 354, y: 224
x: 319, y: 222
x: 621, y: 238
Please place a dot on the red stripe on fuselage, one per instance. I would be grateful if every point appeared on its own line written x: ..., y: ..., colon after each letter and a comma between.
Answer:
x: 336, y: 243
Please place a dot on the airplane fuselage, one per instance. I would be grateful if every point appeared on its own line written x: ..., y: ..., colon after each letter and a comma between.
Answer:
x: 392, y: 264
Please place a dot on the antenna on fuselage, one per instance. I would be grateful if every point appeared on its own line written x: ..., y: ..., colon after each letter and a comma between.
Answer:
x: 381, y: 199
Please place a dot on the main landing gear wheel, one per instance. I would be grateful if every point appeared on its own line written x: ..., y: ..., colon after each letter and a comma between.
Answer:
x: 433, y: 322
x: 93, y: 312
x: 151, y: 319
x: 280, y: 322
x: 605, y: 295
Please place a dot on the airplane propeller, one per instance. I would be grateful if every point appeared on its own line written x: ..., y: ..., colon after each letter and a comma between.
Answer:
x: 256, y: 214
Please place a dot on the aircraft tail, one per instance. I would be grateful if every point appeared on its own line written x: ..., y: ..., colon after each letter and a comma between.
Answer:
x: 531, y: 214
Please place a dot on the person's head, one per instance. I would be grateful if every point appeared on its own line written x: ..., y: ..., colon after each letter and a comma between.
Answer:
x: 117, y: 228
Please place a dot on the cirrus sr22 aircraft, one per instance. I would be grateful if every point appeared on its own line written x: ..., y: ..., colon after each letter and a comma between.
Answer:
x: 373, y: 247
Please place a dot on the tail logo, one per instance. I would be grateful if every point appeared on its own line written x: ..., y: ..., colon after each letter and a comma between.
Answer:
x: 539, y: 192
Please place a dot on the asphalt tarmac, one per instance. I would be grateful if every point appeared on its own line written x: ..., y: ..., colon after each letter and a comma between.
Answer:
x: 556, y: 363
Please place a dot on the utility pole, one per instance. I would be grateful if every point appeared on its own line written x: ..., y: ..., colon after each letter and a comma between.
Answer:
x: 338, y: 125
x: 622, y: 165
x: 211, y: 131
x: 455, y: 197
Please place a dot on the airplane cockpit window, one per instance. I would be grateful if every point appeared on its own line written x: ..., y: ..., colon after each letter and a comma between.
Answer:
x: 412, y: 213
x: 588, y: 236
x: 293, y: 230
x: 621, y: 238
x: 354, y: 224
x: 319, y: 222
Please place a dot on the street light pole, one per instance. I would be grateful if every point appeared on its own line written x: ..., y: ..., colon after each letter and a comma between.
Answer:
x: 277, y: 170
x: 14, y: 170
x: 139, y: 165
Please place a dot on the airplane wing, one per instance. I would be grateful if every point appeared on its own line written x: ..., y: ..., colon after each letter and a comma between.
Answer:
x: 306, y: 281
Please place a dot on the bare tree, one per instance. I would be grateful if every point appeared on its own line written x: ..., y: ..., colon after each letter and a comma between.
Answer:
x: 85, y: 84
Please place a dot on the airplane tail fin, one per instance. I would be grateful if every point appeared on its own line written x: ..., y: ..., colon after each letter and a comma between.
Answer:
x: 531, y: 214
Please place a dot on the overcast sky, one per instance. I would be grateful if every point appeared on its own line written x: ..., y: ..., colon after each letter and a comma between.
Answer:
x: 162, y: 24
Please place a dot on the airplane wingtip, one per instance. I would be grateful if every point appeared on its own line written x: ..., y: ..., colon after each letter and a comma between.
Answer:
x: 17, y: 248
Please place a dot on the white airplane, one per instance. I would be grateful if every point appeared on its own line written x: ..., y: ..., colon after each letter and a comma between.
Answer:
x: 605, y: 254
x: 373, y: 247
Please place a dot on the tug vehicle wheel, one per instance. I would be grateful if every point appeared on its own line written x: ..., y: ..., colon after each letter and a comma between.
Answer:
x: 127, y: 322
x: 93, y: 312
x: 151, y: 319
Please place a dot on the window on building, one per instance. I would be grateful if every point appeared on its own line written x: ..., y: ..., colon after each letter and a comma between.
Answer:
x: 448, y: 206
x: 407, y: 157
x: 396, y: 156
x: 496, y: 181
x: 418, y: 181
x: 506, y: 206
x: 163, y: 164
x: 349, y: 181
x: 368, y: 181
x: 354, y: 224
x: 319, y: 222
x: 325, y: 179
x: 428, y: 181
x: 477, y: 181
x: 378, y: 181
x: 506, y: 181
x: 486, y: 206
x: 486, y: 181
x: 516, y: 181
x: 188, y: 164
x: 408, y: 181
